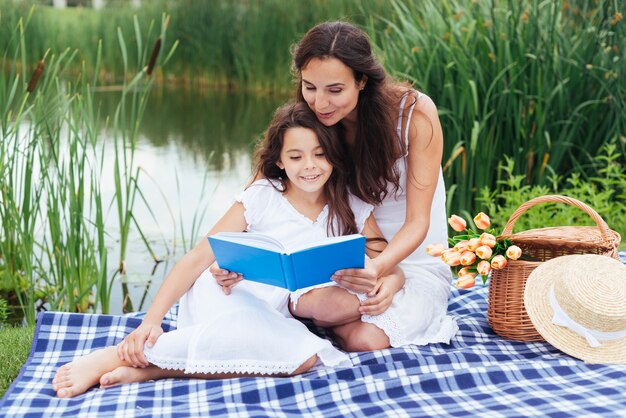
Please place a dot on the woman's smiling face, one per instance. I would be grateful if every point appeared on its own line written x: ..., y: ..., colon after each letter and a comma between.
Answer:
x: 330, y: 89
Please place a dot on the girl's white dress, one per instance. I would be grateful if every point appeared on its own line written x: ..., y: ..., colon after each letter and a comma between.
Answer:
x: 250, y: 330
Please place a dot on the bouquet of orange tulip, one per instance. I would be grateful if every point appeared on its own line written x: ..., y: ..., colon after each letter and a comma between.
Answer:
x: 474, y: 253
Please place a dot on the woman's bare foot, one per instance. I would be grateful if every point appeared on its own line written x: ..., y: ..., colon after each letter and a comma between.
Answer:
x: 126, y: 374
x: 78, y: 376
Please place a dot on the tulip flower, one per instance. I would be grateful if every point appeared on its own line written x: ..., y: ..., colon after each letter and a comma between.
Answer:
x: 473, y: 244
x: 468, y: 258
x: 498, y: 262
x: 482, y: 221
x: 457, y: 223
x: 465, y: 282
x: 484, y: 268
x: 488, y: 239
x: 514, y: 252
x: 484, y: 252
x: 461, y: 246
x: 451, y: 257
x: 464, y: 272
x: 435, y: 250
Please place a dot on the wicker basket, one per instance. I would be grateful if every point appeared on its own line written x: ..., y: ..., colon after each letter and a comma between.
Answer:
x: 506, y: 313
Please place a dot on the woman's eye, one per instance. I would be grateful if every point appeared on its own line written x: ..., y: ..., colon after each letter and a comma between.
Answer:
x: 294, y: 158
x: 309, y: 88
x: 320, y: 155
x: 336, y: 91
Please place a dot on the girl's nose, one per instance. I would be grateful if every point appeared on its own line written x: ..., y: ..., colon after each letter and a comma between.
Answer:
x: 309, y: 163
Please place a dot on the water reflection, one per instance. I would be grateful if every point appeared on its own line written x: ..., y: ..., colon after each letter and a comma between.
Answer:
x: 202, y: 123
x: 188, y: 139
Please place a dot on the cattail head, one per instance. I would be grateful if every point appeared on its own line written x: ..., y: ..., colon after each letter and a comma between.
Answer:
x: 35, y: 77
x: 154, y: 56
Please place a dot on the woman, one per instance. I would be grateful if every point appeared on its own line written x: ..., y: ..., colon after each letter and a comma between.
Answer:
x: 396, y: 144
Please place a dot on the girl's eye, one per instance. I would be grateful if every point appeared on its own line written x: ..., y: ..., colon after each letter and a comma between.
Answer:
x: 335, y: 91
x: 320, y: 155
x: 294, y: 158
x: 309, y: 88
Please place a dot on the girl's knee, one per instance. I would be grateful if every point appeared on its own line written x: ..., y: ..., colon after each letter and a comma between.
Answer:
x: 367, y: 337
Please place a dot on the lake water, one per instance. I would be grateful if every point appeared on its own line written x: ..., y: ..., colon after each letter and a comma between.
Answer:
x: 195, y: 151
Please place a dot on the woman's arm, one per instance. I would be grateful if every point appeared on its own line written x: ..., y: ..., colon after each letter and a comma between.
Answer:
x: 178, y: 281
x: 423, y: 165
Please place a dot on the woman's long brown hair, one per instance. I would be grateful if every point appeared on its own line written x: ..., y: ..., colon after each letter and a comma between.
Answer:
x: 377, y: 147
x: 298, y: 115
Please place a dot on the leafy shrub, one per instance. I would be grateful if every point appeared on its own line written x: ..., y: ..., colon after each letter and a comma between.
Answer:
x: 604, y: 191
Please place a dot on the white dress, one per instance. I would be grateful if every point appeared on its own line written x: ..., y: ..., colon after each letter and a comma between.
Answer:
x: 418, y: 312
x: 250, y: 330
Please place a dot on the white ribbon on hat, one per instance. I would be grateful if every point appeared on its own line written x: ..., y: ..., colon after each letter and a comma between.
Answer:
x: 593, y: 337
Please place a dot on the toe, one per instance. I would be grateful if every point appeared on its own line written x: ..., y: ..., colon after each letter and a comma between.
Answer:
x: 64, y: 393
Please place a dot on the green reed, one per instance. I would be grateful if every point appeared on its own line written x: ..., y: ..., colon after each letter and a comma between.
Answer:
x: 542, y: 82
x: 53, y: 251
x: 243, y: 45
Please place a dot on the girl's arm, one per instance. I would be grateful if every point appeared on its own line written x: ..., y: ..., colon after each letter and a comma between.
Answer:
x: 180, y: 279
x: 424, y: 162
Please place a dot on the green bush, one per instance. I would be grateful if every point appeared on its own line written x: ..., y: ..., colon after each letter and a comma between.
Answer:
x: 604, y: 191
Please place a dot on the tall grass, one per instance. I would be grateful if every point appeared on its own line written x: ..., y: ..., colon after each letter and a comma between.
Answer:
x: 53, y: 253
x: 542, y: 82
x: 243, y: 45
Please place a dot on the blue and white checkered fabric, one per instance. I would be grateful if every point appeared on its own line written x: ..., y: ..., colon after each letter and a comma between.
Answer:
x: 479, y: 375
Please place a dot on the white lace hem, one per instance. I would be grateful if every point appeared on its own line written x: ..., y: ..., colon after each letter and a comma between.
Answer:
x: 389, y: 325
x: 329, y: 357
x: 223, y: 366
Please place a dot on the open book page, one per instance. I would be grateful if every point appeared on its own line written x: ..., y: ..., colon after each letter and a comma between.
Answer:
x: 321, y: 243
x: 252, y: 239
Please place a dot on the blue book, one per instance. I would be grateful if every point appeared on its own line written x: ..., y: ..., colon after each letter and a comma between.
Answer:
x: 263, y: 259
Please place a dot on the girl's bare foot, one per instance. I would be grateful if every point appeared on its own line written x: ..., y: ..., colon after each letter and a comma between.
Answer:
x: 126, y: 374
x: 78, y: 376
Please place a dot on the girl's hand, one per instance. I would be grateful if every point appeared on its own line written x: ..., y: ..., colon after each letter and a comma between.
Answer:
x: 383, y: 296
x: 358, y: 280
x: 226, y: 279
x: 131, y: 348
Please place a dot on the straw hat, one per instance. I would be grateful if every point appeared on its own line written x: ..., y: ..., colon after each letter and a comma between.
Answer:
x: 578, y: 304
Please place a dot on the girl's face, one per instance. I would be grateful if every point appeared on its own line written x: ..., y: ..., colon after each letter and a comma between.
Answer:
x: 329, y: 87
x: 303, y: 160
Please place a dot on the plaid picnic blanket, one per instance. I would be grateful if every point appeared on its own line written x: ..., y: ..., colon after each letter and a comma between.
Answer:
x: 479, y: 374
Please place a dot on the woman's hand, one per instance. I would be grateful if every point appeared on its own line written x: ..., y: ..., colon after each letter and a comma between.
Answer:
x: 131, y: 348
x: 226, y: 279
x: 358, y: 280
x: 383, y: 296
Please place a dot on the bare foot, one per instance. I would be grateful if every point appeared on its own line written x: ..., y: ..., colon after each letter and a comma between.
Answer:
x: 126, y: 374
x: 78, y: 376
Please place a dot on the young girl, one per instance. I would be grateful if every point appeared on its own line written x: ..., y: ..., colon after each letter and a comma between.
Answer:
x: 249, y: 332
x: 395, y: 139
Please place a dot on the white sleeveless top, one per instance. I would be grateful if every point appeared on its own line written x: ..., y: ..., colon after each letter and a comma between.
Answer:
x: 390, y: 215
x: 418, y: 312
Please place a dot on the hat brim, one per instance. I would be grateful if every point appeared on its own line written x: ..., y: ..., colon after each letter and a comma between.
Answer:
x: 540, y: 311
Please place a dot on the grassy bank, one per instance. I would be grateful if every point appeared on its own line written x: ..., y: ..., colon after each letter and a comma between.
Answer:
x: 15, y: 345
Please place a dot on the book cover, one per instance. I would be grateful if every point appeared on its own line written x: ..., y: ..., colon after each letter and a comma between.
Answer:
x: 262, y: 259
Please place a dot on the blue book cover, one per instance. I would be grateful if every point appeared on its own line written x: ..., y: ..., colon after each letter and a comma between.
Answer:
x: 263, y: 259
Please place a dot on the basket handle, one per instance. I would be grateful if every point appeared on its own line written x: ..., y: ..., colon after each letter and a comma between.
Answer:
x: 602, y: 226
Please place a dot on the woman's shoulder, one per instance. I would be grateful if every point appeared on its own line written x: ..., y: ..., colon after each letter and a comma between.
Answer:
x: 415, y: 98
